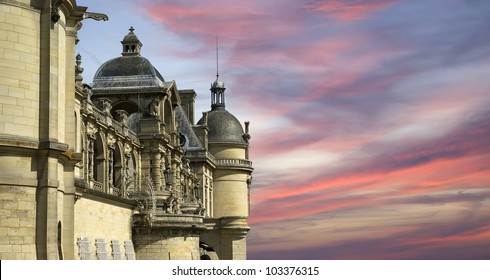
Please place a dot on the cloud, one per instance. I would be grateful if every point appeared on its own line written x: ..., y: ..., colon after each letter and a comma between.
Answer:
x: 454, y: 230
x: 435, y: 164
x: 347, y: 10
x: 370, y: 119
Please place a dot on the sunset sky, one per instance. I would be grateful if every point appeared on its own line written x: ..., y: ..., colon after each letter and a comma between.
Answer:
x: 370, y: 120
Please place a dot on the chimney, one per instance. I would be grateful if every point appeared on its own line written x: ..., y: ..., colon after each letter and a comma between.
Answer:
x: 187, y: 98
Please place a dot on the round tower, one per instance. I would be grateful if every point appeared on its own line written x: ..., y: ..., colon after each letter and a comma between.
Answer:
x: 228, y: 143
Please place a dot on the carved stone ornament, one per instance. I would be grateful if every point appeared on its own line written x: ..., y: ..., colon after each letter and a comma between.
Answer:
x: 91, y: 130
x: 111, y: 140
x: 127, y: 150
x: 122, y: 116
x: 78, y: 70
x: 152, y: 109
x: 95, y: 16
x: 106, y: 106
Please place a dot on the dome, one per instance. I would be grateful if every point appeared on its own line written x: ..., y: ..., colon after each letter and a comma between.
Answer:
x: 218, y: 84
x: 127, y: 72
x: 223, y: 127
x: 131, y: 37
x: 131, y: 70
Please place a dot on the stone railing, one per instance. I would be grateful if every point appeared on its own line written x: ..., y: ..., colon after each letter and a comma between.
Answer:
x: 98, y: 186
x: 233, y: 162
x: 118, y: 127
x: 200, y: 154
x: 108, y: 120
x: 98, y: 114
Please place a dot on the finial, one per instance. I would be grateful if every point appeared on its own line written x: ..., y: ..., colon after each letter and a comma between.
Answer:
x: 131, y: 29
x: 78, y: 69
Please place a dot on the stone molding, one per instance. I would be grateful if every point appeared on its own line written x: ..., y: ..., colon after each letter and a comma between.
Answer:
x: 31, y: 143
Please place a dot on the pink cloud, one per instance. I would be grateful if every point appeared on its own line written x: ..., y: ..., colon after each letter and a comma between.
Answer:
x: 231, y: 21
x: 348, y: 10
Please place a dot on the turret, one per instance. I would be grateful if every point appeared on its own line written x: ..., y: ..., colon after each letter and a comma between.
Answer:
x: 228, y: 143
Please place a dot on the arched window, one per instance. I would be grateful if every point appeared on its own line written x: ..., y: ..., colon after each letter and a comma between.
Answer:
x: 99, y: 163
x: 117, y: 171
x: 126, y: 105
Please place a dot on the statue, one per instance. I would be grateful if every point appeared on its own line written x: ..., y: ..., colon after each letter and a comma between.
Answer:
x: 152, y: 109
x: 106, y: 105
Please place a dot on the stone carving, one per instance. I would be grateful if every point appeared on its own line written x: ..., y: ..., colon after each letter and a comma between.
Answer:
x: 171, y: 204
x: 146, y: 202
x: 246, y: 136
x: 91, y: 130
x: 106, y: 106
x: 90, y: 158
x: 127, y: 150
x: 205, y: 118
x: 110, y: 165
x: 78, y: 70
x: 95, y: 16
x: 88, y: 93
x: 249, y: 179
x: 152, y: 109
x: 122, y: 117
x: 111, y: 140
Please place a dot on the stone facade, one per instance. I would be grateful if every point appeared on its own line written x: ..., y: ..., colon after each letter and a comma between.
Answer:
x: 116, y: 169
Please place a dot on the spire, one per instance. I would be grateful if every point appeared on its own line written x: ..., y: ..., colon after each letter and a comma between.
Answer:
x: 131, y: 44
x: 218, y: 87
x: 217, y: 57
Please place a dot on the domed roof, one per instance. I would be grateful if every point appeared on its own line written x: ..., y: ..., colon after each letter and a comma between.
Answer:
x: 218, y: 84
x: 223, y: 127
x: 131, y: 37
x: 127, y: 71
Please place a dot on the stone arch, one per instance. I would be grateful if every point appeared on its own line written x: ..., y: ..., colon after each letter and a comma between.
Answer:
x: 127, y: 105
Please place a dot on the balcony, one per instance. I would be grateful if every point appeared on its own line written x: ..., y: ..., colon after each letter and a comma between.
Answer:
x: 234, y: 162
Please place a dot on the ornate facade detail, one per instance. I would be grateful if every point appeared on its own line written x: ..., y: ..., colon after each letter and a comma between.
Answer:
x: 152, y: 108
x: 95, y: 16
x: 146, y: 204
x: 78, y: 72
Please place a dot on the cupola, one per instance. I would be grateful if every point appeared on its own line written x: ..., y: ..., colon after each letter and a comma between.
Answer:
x: 217, y: 94
x: 131, y: 44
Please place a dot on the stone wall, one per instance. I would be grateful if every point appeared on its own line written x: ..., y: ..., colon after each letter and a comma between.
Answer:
x: 17, y: 221
x: 101, y: 219
x: 19, y: 70
x: 161, y: 244
x: 230, y: 193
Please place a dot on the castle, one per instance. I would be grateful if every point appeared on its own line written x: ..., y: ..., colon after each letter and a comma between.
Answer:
x: 113, y: 170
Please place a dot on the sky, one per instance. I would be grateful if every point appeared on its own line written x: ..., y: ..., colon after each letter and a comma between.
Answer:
x: 370, y: 119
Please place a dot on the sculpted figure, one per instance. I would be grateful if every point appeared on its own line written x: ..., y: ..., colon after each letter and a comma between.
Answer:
x: 152, y: 110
